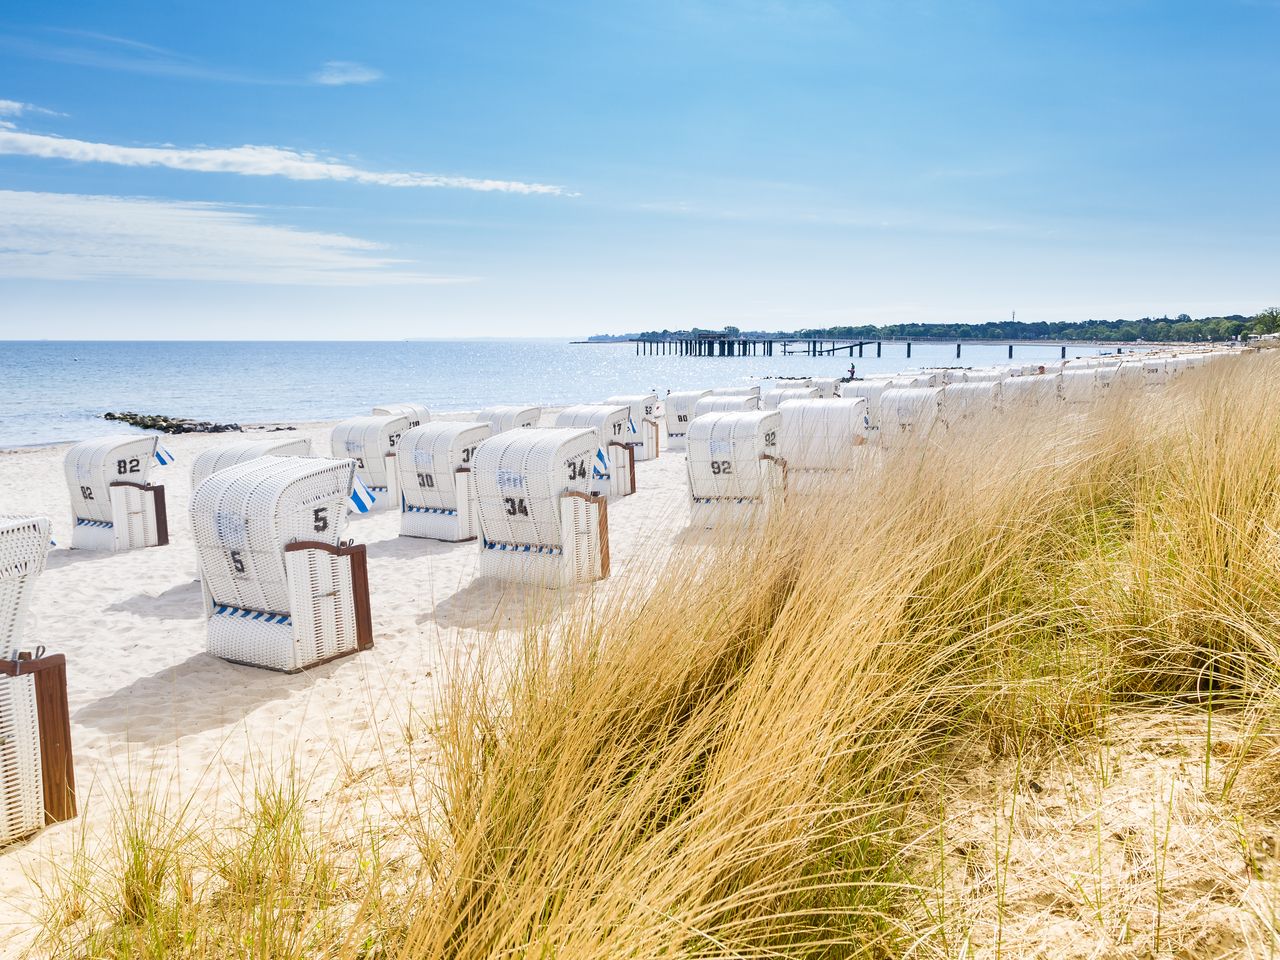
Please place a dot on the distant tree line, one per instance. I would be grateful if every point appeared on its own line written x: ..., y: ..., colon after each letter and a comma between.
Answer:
x: 1151, y: 329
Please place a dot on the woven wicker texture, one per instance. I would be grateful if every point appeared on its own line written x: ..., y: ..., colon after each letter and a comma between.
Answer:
x: 679, y: 410
x: 909, y: 413
x: 827, y: 387
x: 965, y: 401
x: 1030, y: 390
x: 24, y: 545
x: 502, y: 419
x: 93, y: 465
x: 368, y: 441
x: 734, y: 403
x: 822, y: 434
x: 752, y: 391
x: 241, y: 451
x: 771, y: 398
x: 416, y: 413
x: 21, y: 784
x: 437, y: 501
x: 724, y: 451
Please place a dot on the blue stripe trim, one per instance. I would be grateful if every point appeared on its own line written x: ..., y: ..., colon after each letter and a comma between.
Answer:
x: 409, y: 508
x: 225, y: 610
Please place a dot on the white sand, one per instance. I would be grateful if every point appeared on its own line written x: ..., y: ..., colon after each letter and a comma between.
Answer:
x: 150, y: 707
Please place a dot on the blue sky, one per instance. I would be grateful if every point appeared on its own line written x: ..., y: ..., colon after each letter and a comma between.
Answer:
x: 265, y: 170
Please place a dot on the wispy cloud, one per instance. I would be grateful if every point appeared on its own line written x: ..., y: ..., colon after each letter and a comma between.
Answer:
x: 249, y: 160
x: 339, y: 73
x: 84, y: 48
x: 60, y: 236
x: 16, y: 108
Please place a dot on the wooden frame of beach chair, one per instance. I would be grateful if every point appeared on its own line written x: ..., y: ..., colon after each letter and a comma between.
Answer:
x: 504, y: 418
x: 539, y: 523
x: 281, y: 589
x: 437, y: 499
x: 735, y: 473
x: 613, y: 471
x: 371, y: 442
x: 415, y: 413
x: 113, y: 506
x: 645, y: 431
x: 241, y: 451
x: 678, y: 414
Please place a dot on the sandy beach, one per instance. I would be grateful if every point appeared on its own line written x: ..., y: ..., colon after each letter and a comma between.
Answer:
x: 150, y: 708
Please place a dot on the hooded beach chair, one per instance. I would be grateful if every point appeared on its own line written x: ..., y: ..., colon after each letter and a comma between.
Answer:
x: 771, y: 398
x: 437, y: 496
x: 734, y: 469
x: 827, y: 387
x: 822, y: 435
x: 678, y: 412
x: 726, y: 403
x: 539, y: 522
x: 415, y: 413
x: 371, y: 443
x: 37, y: 784
x: 751, y: 391
x: 502, y: 419
x: 113, y: 505
x: 971, y: 400
x: 281, y: 590
x: 644, y: 428
x: 909, y: 414
x: 613, y: 471
x: 240, y: 451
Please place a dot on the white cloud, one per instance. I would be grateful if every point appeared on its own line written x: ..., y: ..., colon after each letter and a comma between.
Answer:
x: 338, y: 73
x: 249, y: 160
x: 16, y: 108
x: 63, y: 236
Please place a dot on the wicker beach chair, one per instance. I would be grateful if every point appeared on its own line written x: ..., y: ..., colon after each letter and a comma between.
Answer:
x: 113, y: 505
x: 613, y: 471
x: 822, y: 435
x: 728, y: 403
x: 437, y: 493
x: 771, y: 398
x: 502, y: 419
x: 971, y: 400
x: 751, y: 391
x: 34, y: 721
x: 827, y: 387
x: 734, y: 469
x: 371, y: 443
x: 241, y: 451
x: 415, y: 413
x: 1030, y: 391
x: 644, y: 430
x: 909, y: 414
x: 281, y: 590
x: 539, y: 523
x: 678, y: 413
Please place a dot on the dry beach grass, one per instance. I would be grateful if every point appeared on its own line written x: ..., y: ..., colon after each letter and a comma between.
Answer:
x: 1010, y: 692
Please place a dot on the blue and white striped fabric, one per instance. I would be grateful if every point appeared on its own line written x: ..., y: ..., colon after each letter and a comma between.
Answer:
x: 632, y: 423
x: 163, y: 456
x: 600, y: 469
x: 362, y: 498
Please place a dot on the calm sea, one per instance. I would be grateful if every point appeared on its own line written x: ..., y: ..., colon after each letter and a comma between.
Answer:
x: 57, y: 390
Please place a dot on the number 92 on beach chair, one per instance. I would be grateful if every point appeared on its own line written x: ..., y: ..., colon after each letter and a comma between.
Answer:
x: 539, y: 524
x: 112, y: 504
x: 281, y: 590
x: 437, y: 499
x: 734, y: 470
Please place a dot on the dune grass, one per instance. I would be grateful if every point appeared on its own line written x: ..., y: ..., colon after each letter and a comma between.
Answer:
x: 752, y: 754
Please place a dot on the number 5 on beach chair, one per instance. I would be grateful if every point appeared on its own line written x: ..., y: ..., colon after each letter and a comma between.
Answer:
x: 281, y: 589
x: 539, y: 524
x: 113, y: 505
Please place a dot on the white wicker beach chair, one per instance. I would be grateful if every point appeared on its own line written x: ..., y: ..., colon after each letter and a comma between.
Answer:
x: 613, y: 471
x: 751, y: 391
x: 771, y: 398
x: 827, y: 387
x: 726, y: 403
x: 678, y: 412
x: 416, y: 413
x: 113, y: 506
x: 437, y: 493
x: 281, y: 590
x: 502, y: 419
x: 1078, y: 386
x: 27, y: 799
x: 241, y: 451
x: 909, y: 414
x: 822, y: 434
x: 869, y: 390
x: 643, y: 426
x: 539, y: 524
x: 734, y: 471
x: 371, y: 443
x: 971, y: 400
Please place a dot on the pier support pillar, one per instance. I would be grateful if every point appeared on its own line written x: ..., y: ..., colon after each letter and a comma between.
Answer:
x: 908, y: 349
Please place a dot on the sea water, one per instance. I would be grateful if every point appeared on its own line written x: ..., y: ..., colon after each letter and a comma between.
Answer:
x: 55, y: 391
